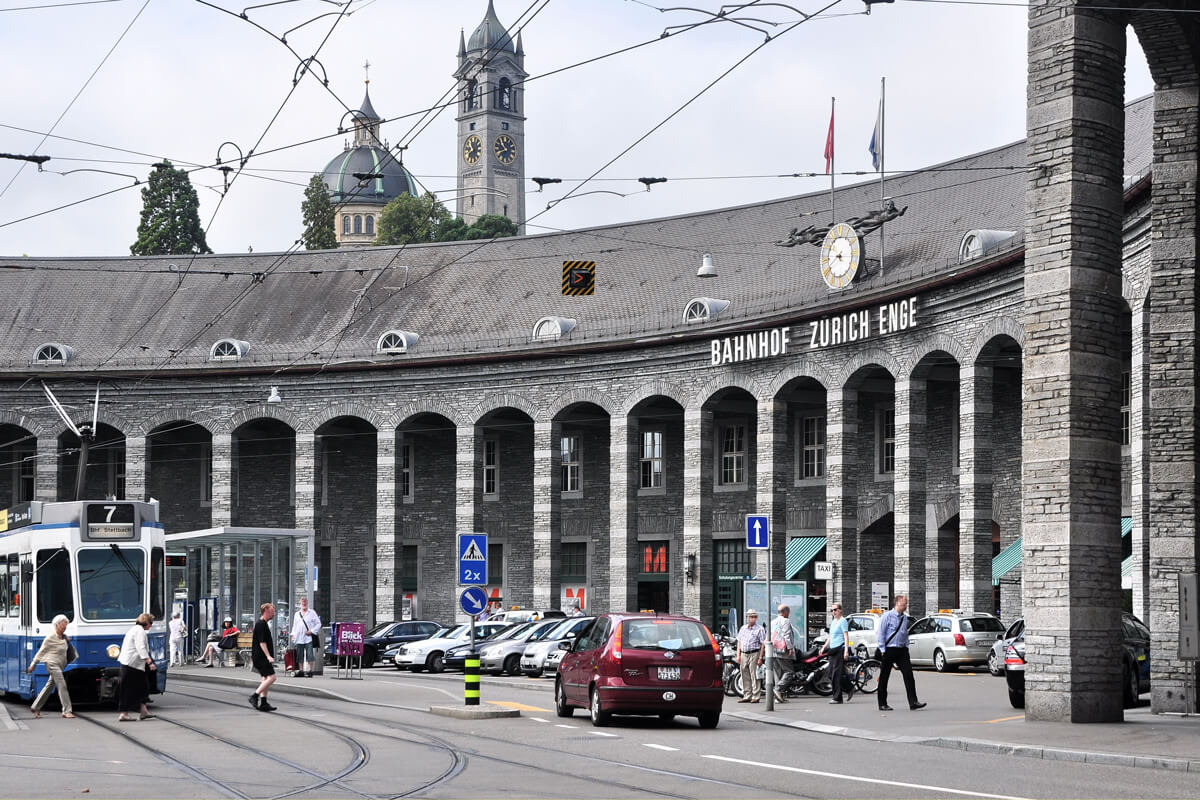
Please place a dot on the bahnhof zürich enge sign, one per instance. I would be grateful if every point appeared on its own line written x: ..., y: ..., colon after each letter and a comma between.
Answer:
x: 855, y: 326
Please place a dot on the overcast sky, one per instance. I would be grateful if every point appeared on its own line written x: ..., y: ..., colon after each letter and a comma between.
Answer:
x: 186, y: 77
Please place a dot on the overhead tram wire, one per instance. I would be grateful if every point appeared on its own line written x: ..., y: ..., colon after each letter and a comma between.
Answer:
x: 60, y: 5
x: 1052, y: 5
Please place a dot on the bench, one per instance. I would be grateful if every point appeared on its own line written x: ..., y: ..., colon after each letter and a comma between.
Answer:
x: 245, y: 643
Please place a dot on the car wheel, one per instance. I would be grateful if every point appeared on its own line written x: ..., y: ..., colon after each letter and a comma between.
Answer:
x: 512, y: 665
x: 600, y: 717
x: 435, y: 663
x: 560, y: 701
x: 1130, y: 693
x: 398, y: 668
x: 995, y: 664
x: 1017, y: 699
x: 709, y: 719
x: 939, y: 661
x: 368, y: 657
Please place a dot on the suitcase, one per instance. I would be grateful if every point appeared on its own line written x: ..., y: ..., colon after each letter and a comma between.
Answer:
x: 289, y: 659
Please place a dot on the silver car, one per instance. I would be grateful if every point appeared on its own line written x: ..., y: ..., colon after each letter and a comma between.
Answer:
x: 504, y: 655
x: 995, y: 662
x: 947, y: 641
x: 533, y: 658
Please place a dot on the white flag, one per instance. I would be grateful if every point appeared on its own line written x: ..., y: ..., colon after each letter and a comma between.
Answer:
x: 876, y: 147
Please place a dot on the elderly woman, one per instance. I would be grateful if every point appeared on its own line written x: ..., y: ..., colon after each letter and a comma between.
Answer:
x: 53, y: 653
x: 135, y: 660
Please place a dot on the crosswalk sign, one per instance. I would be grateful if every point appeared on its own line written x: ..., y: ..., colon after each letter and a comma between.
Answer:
x: 472, y: 559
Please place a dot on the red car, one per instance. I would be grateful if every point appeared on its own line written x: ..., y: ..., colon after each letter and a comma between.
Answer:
x: 641, y: 664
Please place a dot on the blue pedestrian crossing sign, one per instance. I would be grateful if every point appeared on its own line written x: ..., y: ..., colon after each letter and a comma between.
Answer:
x: 758, y: 531
x: 473, y: 600
x: 472, y: 559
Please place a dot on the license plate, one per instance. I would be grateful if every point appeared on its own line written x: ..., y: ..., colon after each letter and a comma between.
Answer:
x: 668, y: 673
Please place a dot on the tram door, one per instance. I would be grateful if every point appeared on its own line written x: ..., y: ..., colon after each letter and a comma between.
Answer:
x: 26, y: 625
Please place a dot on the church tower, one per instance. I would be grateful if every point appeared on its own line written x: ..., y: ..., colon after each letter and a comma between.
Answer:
x: 491, y: 123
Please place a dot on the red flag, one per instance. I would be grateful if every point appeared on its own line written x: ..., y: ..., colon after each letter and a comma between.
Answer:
x: 829, y: 144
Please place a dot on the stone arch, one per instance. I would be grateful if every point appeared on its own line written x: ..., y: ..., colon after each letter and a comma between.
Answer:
x: 706, y: 392
x: 23, y: 421
x: 262, y: 411
x: 345, y: 409
x: 504, y: 400
x: 938, y: 342
x: 658, y: 388
x: 873, y: 357
x: 425, y: 406
x: 801, y: 369
x: 1170, y: 44
x: 994, y: 329
x: 573, y: 397
x: 869, y: 515
x: 150, y: 424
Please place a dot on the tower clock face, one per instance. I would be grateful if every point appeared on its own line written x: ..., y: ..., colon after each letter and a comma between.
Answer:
x: 505, y: 149
x: 472, y: 149
x: 840, y: 256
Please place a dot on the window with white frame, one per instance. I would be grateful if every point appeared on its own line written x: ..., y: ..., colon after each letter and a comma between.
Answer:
x: 731, y: 449
x: 491, y: 467
x: 812, y: 447
x: 572, y: 464
x: 652, y: 460
x: 885, y: 437
x: 1126, y: 393
x: 406, y: 473
x: 345, y: 223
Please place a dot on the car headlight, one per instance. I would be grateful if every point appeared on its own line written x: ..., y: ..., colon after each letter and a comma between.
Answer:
x: 113, y: 650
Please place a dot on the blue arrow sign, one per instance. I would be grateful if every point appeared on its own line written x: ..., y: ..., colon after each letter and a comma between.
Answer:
x: 472, y: 559
x: 473, y: 600
x: 758, y: 531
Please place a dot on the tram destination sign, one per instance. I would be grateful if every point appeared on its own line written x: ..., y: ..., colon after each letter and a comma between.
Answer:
x: 17, y: 516
x: 110, y: 521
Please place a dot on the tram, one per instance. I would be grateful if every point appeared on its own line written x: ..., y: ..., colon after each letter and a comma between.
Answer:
x: 98, y: 562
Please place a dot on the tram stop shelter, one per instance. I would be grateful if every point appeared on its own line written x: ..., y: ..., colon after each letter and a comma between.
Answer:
x: 231, y: 571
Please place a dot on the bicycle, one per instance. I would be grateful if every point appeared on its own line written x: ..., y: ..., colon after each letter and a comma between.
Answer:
x: 863, y: 671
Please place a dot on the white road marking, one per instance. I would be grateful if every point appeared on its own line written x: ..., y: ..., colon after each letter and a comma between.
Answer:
x: 839, y: 776
x: 602, y: 733
x: 662, y: 747
x: 538, y: 719
x: 569, y: 727
x: 413, y: 685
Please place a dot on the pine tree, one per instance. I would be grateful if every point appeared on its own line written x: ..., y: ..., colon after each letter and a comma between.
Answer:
x: 170, y: 223
x: 319, y: 216
x: 411, y: 220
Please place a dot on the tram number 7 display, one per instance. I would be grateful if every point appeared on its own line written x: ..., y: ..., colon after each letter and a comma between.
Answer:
x: 108, y: 521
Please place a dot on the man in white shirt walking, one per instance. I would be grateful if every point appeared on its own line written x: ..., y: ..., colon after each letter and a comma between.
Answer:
x: 305, y: 627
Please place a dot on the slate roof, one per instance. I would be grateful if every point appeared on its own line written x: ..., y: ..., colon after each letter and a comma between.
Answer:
x: 471, y: 298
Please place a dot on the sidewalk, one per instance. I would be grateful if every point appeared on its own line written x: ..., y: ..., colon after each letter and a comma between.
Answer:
x: 966, y: 711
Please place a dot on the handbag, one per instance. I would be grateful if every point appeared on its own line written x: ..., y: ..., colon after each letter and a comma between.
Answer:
x: 72, y: 653
x: 228, y: 642
x: 316, y: 637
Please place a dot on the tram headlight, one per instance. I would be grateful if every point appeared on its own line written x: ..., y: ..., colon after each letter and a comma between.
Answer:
x: 113, y: 650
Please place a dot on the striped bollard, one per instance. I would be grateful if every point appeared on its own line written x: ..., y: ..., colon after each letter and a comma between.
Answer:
x: 471, y: 680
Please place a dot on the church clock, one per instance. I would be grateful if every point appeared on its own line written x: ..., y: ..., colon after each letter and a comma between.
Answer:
x: 472, y: 148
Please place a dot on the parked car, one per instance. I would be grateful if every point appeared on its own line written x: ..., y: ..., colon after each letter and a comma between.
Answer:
x: 860, y: 630
x: 504, y: 656
x: 386, y: 635
x: 995, y: 662
x: 641, y: 664
x: 526, y: 615
x: 533, y: 657
x: 456, y: 657
x: 1135, y: 663
x: 429, y: 653
x: 947, y: 641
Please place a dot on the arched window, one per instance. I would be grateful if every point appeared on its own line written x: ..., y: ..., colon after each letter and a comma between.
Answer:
x: 702, y: 309
x: 228, y: 350
x: 346, y: 224
x: 358, y: 223
x: 552, y: 328
x: 504, y: 95
x: 52, y: 353
x: 370, y: 224
x: 393, y: 342
x: 472, y: 95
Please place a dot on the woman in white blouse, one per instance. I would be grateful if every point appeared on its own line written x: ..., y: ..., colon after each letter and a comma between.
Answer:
x: 135, y: 660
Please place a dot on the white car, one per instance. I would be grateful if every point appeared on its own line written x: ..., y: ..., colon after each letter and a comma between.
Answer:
x: 533, y: 660
x: 429, y: 653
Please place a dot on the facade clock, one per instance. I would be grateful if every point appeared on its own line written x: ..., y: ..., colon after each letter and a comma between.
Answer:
x: 840, y: 256
x: 505, y: 149
x: 472, y: 149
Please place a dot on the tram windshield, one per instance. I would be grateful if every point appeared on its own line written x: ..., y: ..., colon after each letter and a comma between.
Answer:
x: 110, y: 582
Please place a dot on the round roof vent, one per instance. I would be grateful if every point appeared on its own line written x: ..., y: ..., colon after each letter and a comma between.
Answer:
x: 228, y: 350
x: 396, y: 342
x: 981, y: 242
x: 52, y: 353
x: 702, y: 309
x: 551, y: 328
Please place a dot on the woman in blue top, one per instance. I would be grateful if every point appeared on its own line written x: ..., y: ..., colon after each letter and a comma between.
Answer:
x: 838, y: 647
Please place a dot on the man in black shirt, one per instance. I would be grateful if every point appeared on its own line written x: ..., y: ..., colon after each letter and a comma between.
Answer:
x: 262, y: 657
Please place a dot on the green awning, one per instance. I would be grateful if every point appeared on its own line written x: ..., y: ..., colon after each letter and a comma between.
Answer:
x: 1010, y: 557
x: 800, y: 551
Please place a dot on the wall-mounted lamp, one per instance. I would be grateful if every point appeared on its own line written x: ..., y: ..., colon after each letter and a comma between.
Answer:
x: 274, y: 396
x: 707, y: 270
x: 689, y: 566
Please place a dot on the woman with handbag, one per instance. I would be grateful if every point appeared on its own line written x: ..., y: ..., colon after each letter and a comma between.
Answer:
x: 135, y: 660
x: 226, y: 641
x: 306, y: 631
x: 56, y: 652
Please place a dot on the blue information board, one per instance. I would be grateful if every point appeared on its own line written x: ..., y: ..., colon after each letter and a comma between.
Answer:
x: 472, y: 559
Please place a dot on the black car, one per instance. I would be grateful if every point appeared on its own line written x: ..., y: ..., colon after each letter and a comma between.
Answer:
x: 456, y: 657
x: 390, y: 634
x: 1135, y: 663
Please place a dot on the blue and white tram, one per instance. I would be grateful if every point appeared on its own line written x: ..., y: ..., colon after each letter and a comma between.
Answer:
x: 101, y: 564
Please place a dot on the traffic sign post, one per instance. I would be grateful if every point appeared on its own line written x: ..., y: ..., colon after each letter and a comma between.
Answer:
x: 758, y: 532
x: 758, y: 537
x: 472, y: 559
x: 472, y: 601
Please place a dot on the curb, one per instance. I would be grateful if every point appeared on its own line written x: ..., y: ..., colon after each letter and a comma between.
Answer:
x: 987, y: 746
x: 474, y: 712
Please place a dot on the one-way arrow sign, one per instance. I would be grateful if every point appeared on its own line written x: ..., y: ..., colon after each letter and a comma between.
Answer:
x: 758, y: 531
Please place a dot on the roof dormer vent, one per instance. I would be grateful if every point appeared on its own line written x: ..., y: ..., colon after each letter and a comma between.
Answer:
x: 396, y: 342
x: 52, y: 353
x: 981, y: 242
x: 549, y: 329
x: 228, y: 350
x: 702, y: 309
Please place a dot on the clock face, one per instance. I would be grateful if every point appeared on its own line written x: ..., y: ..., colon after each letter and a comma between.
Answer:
x: 472, y: 148
x: 505, y: 149
x: 840, y: 255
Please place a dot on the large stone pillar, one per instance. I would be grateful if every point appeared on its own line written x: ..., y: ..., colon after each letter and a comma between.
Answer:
x: 697, y: 513
x: 439, y: 578
x: 1072, y: 366
x: 1139, y: 463
x: 45, y: 479
x: 911, y: 436
x: 624, y: 457
x: 222, y: 480
x: 306, y: 489
x: 841, y: 498
x: 771, y: 485
x: 547, y: 514
x: 975, y: 489
x: 136, y: 467
x: 1174, y: 523
x: 387, y: 545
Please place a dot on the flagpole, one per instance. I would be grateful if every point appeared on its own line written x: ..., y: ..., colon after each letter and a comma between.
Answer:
x: 882, y: 170
x: 832, y: 164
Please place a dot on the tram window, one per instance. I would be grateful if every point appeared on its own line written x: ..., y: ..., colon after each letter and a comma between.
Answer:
x: 54, y: 585
x: 4, y: 589
x: 14, y: 586
x: 110, y: 582
x: 156, y: 582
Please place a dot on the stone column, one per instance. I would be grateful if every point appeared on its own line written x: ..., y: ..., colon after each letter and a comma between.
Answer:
x: 841, y: 498
x: 772, y: 474
x: 387, y: 544
x: 975, y: 489
x: 1139, y: 463
x: 547, y: 514
x: 909, y: 486
x: 1174, y: 523
x: 1071, y: 476
x: 624, y: 457
x: 439, y: 591
x: 137, y: 467
x: 306, y: 514
x: 697, y: 513
x: 45, y: 479
x: 222, y: 480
